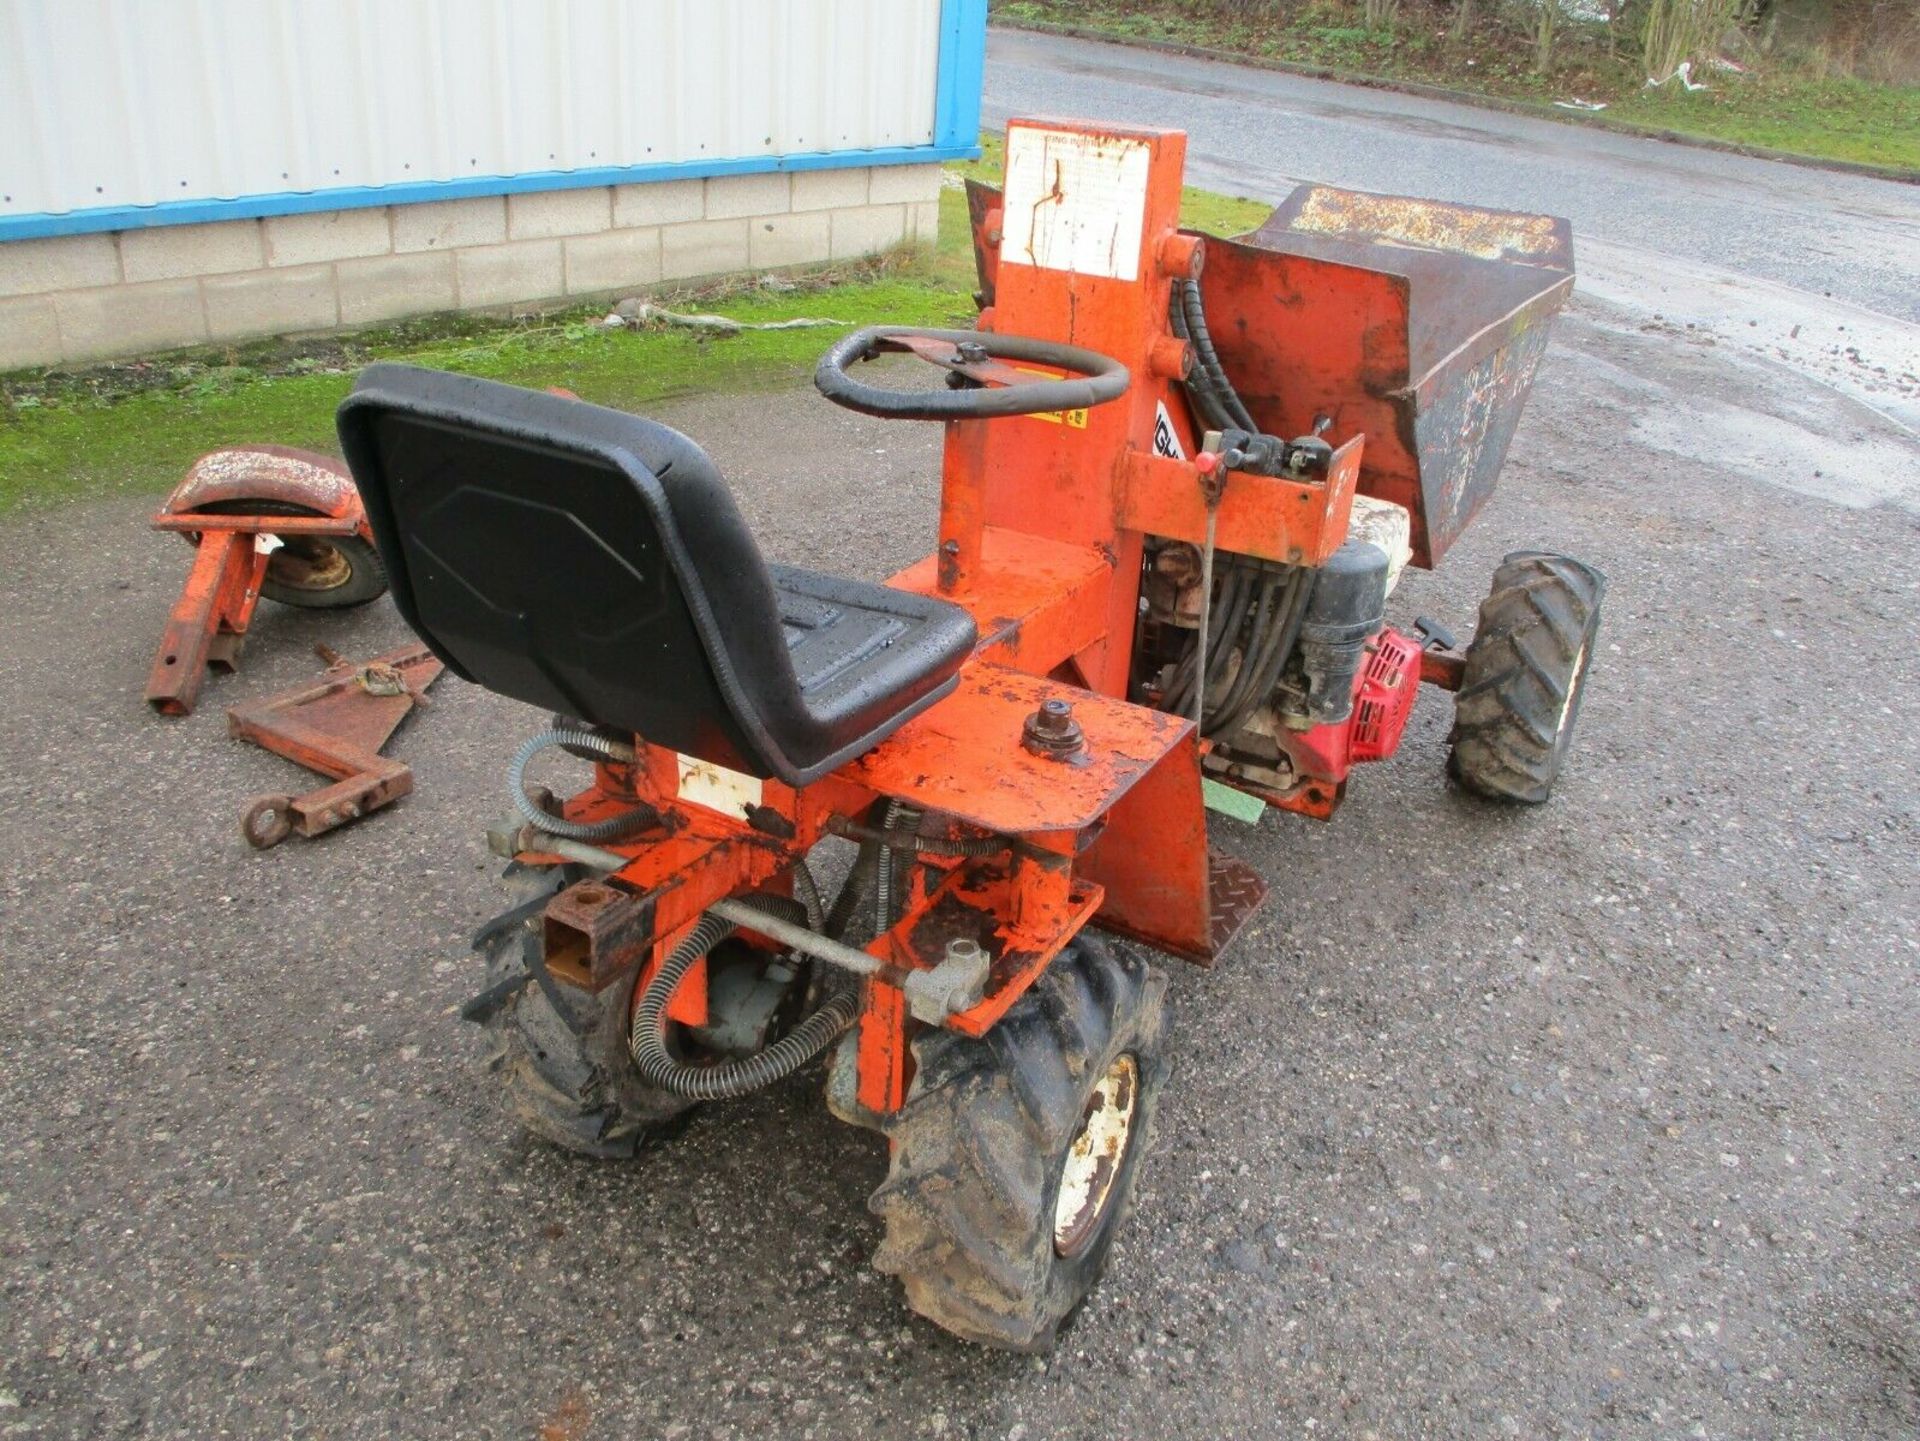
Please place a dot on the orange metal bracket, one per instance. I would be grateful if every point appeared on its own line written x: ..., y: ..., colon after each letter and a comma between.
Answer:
x: 1164, y: 884
x: 980, y: 902
x: 1300, y: 522
x: 964, y: 755
x: 209, y: 621
x: 335, y: 724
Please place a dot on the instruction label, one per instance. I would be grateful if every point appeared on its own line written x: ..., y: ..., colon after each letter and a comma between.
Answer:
x: 1076, y: 418
x: 1074, y: 202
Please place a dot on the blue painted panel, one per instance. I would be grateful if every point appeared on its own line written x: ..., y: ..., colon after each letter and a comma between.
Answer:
x: 963, y: 63
x: 252, y: 207
x: 955, y: 135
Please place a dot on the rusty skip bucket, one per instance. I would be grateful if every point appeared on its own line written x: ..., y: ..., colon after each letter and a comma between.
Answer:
x: 1416, y: 322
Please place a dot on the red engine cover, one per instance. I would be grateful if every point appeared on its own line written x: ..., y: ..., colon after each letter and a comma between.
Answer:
x: 1383, y: 694
x: 1384, y: 698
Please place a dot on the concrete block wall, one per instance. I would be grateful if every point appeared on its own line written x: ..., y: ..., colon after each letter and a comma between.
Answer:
x: 76, y: 298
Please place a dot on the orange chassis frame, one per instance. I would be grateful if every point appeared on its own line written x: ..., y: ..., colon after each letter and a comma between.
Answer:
x: 1042, y: 524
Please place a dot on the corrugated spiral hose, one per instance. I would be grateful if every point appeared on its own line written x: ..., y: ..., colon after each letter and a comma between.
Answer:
x: 806, y: 890
x: 725, y: 1079
x: 902, y: 839
x: 890, y: 818
x: 540, y: 817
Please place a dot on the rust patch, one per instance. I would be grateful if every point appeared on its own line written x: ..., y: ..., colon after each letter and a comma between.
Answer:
x: 1428, y: 224
x: 568, y: 1421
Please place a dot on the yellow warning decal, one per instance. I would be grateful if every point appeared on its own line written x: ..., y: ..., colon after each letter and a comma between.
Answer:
x: 1076, y: 418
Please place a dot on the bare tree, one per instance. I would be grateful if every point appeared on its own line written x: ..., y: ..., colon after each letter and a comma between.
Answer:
x: 1674, y: 32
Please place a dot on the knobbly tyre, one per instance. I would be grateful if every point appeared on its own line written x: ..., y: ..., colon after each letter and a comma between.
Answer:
x: 1180, y: 477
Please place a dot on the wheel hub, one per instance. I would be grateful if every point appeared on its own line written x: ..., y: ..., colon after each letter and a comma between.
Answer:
x: 310, y: 563
x: 1094, y: 1159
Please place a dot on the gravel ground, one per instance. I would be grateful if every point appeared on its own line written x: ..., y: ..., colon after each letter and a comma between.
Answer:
x: 1596, y: 1120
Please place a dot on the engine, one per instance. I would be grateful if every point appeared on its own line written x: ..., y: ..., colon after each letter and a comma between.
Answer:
x: 1303, y: 678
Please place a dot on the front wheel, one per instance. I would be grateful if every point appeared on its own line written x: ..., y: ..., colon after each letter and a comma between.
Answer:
x: 1525, y: 674
x: 1013, y: 1159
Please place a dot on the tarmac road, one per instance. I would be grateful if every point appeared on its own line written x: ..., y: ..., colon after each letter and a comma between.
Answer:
x: 1596, y: 1120
x: 1259, y: 132
x: 1814, y: 268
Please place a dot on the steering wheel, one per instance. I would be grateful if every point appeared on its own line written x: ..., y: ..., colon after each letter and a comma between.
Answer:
x: 970, y: 356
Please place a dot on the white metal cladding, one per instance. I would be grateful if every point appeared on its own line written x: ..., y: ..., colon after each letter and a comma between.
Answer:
x: 138, y: 102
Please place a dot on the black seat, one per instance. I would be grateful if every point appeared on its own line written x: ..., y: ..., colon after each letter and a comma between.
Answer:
x: 592, y: 562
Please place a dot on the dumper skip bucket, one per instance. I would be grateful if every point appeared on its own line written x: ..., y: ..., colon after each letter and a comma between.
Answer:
x: 1418, y: 323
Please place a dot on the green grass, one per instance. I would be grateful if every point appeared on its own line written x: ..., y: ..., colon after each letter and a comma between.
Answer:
x: 109, y: 430
x: 1833, y: 119
x: 134, y: 427
x: 1783, y: 109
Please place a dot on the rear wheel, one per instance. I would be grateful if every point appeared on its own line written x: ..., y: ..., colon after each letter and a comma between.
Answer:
x: 1525, y: 674
x: 1013, y: 1159
x: 314, y: 572
x: 565, y: 1071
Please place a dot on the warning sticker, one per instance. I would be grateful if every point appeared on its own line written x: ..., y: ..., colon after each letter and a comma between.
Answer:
x: 1074, y: 202
x: 1166, y: 440
x: 1077, y: 417
x: 716, y: 787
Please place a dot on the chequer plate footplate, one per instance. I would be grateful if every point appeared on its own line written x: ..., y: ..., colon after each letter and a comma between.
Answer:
x: 1234, y: 892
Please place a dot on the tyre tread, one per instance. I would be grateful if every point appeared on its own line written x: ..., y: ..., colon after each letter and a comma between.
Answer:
x: 549, y: 1068
x: 1543, y: 611
x: 967, y: 1204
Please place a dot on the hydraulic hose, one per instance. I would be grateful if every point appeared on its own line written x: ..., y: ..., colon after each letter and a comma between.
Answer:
x: 858, y: 888
x: 1228, y: 611
x: 1209, y: 358
x: 726, y: 1079
x: 807, y: 891
x: 1284, y: 633
x: 540, y: 818
x: 1272, y: 602
x: 1282, y: 603
x: 1199, y: 386
x: 1248, y: 587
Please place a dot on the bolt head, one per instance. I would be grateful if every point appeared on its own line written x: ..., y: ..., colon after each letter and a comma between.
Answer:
x: 1052, y: 731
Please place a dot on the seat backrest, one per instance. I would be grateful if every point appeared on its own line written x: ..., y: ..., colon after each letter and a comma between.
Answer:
x: 572, y: 557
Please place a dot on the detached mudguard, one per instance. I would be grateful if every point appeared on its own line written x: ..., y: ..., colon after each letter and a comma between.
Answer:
x: 236, y: 507
x: 279, y: 474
